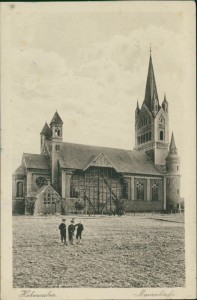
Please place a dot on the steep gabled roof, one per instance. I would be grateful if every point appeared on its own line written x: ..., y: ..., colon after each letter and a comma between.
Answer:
x: 36, y: 161
x: 76, y: 156
x: 100, y: 160
x: 41, y: 190
x: 56, y: 119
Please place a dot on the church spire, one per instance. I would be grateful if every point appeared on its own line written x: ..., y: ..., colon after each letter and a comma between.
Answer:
x: 151, y: 96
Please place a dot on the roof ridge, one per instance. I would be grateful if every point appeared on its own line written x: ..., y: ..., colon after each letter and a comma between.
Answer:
x: 35, y: 154
x: 96, y: 146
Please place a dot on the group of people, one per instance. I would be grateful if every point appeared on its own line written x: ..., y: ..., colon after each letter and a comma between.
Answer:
x: 71, y: 230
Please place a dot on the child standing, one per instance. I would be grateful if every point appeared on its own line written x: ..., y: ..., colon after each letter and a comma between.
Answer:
x: 71, y: 229
x: 62, y: 228
x: 80, y: 228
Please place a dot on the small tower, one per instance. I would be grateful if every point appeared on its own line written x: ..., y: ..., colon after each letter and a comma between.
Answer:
x: 56, y: 128
x: 44, y: 135
x: 172, y: 178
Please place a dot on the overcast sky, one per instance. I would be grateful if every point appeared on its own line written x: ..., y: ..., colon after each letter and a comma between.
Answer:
x: 91, y: 67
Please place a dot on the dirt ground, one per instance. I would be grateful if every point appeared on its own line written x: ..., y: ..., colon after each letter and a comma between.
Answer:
x: 128, y: 251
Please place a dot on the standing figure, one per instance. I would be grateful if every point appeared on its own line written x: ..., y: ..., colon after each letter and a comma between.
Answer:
x: 62, y: 228
x: 80, y: 228
x: 71, y: 229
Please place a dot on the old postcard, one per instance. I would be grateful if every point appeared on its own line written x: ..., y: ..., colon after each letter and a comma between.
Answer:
x: 98, y: 197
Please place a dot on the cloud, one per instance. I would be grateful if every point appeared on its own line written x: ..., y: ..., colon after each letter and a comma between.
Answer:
x: 96, y: 92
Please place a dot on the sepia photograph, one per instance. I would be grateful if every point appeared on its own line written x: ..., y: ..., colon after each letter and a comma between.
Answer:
x: 98, y: 150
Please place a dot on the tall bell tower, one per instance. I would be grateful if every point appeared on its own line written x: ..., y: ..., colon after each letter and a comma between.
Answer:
x: 152, y: 122
x: 56, y: 127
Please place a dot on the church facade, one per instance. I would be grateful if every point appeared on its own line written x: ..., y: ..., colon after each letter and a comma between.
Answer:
x: 67, y: 177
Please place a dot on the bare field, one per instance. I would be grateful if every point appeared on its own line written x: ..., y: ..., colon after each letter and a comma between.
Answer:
x: 125, y: 252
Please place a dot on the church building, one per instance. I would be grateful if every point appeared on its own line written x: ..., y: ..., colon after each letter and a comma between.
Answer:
x: 67, y: 177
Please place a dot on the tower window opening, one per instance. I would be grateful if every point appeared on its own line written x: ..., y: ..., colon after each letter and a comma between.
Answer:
x: 161, y: 135
x: 178, y: 191
x: 57, y: 132
x: 177, y: 168
x: 57, y: 148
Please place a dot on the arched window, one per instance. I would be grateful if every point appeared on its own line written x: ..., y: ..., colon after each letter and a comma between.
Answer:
x: 19, y: 192
x: 140, y: 190
x: 125, y: 190
x: 149, y: 136
x: 155, y: 191
x: 161, y: 135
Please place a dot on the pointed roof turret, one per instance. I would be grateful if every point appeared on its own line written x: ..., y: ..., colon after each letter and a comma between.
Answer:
x: 172, y: 143
x: 151, y: 89
x: 165, y: 104
x: 45, y: 129
x: 137, y: 107
x: 173, y: 148
x: 56, y: 119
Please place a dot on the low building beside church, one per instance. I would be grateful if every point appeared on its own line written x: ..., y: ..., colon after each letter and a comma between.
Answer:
x: 102, y: 179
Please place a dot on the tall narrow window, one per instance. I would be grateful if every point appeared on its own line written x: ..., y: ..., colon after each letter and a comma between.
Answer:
x: 140, y: 190
x: 125, y: 190
x: 155, y: 191
x: 149, y: 136
x: 161, y: 135
x: 19, y: 192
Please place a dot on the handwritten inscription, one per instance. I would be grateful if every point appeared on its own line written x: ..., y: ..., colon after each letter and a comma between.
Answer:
x: 30, y: 293
x: 163, y: 293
